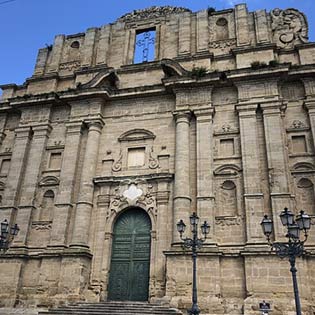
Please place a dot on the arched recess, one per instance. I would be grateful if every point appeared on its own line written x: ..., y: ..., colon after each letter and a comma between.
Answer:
x: 228, y: 198
x: 222, y: 29
x: 130, y: 258
x: 306, y: 196
x: 47, y: 206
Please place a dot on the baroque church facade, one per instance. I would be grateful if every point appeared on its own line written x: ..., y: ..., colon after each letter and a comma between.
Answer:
x: 101, y: 155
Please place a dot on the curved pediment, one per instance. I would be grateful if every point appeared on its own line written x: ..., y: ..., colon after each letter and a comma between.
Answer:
x: 303, y: 167
x: 228, y: 169
x: 136, y: 134
x: 49, y: 181
x: 172, y: 68
x: 103, y: 79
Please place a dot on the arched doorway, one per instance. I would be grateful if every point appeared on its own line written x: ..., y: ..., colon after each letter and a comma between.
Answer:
x: 130, y: 261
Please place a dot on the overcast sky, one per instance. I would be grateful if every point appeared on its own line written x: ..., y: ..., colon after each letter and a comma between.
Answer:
x: 27, y: 25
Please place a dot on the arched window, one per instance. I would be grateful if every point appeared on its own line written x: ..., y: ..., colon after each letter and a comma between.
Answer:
x: 228, y: 199
x: 222, y: 29
x: 47, y: 206
x: 306, y: 196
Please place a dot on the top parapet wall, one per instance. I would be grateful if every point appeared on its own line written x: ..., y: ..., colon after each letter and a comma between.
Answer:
x: 179, y: 33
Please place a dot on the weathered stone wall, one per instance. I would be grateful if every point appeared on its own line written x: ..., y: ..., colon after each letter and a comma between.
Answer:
x: 92, y: 134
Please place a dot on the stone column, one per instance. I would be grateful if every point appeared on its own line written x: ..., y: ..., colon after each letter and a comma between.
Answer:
x: 205, y: 194
x: 16, y: 171
x: 182, y: 198
x: 63, y: 202
x: 253, y: 197
x: 30, y: 181
x: 84, y: 205
x: 277, y: 163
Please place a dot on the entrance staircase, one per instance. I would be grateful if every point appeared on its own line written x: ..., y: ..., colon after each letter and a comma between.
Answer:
x: 112, y: 308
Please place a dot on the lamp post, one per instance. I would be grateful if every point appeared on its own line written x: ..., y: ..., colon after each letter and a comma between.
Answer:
x: 194, y: 243
x: 7, y: 234
x: 294, y: 247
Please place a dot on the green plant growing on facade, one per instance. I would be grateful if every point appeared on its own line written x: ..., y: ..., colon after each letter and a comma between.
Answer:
x: 198, y: 72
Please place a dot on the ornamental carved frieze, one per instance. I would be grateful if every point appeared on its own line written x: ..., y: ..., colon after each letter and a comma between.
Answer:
x: 41, y: 225
x: 133, y: 193
x: 70, y: 66
x: 151, y: 13
x: 224, y: 221
x: 223, y: 44
x: 289, y: 27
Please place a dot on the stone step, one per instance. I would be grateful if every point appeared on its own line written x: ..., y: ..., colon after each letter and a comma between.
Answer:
x: 109, y: 308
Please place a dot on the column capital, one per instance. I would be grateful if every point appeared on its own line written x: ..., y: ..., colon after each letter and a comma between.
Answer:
x: 74, y: 126
x: 22, y: 132
x: 41, y: 130
x: 272, y: 108
x: 182, y: 116
x: 310, y: 106
x: 246, y: 109
x: 205, y: 114
x: 96, y: 124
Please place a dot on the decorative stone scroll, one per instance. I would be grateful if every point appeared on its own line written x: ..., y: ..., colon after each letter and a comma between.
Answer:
x: 136, y: 193
x: 151, y: 13
x: 289, y: 27
x: 153, y: 161
x: 117, y: 165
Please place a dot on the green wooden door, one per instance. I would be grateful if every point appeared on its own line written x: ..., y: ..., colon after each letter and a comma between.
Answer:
x: 130, y: 262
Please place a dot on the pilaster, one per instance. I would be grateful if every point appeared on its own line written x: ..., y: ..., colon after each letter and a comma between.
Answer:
x: 56, y: 53
x: 242, y: 27
x: 63, y: 203
x: 30, y: 181
x: 88, y: 47
x: 103, y: 45
x: 253, y: 196
x: 205, y: 193
x: 277, y: 162
x: 202, y: 31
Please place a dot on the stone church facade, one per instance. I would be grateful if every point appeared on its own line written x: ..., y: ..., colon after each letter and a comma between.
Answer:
x: 95, y: 146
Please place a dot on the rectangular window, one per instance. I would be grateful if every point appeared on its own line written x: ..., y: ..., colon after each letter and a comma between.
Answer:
x: 55, y: 161
x: 5, y: 164
x: 227, y: 147
x: 299, y: 144
x: 136, y: 157
x: 144, y: 46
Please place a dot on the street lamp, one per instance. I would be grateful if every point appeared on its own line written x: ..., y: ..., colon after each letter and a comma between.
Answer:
x: 7, y: 234
x: 294, y: 247
x: 194, y: 243
x: 264, y: 308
